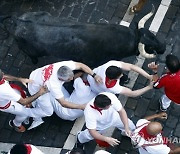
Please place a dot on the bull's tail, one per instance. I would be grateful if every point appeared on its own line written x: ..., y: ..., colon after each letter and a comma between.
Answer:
x: 4, y: 33
x: 145, y: 18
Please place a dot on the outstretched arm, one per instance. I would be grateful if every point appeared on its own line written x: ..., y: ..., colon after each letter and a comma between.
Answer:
x: 89, y: 71
x: 70, y: 105
x: 96, y: 135
x: 124, y: 118
x: 24, y: 81
x: 30, y: 99
x: 161, y: 115
x: 134, y: 93
x: 131, y: 67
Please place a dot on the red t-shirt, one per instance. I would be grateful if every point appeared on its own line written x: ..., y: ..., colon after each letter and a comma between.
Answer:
x: 171, y: 84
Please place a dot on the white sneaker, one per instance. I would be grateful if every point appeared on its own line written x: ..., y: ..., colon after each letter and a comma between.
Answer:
x: 35, y: 124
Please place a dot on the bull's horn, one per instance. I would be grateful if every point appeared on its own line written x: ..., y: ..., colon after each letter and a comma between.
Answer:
x: 145, y: 18
x: 141, y: 48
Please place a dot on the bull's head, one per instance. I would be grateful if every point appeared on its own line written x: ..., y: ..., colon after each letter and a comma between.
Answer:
x: 149, y: 46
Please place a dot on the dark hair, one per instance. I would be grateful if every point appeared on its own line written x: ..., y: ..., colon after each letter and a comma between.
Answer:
x: 102, y: 101
x: 172, y: 63
x: 77, y: 151
x: 113, y: 72
x: 19, y: 149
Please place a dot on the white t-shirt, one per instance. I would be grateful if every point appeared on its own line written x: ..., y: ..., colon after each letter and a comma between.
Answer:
x: 7, y: 94
x: 95, y: 120
x: 47, y: 75
x: 153, y: 149
x: 98, y: 88
x: 82, y: 94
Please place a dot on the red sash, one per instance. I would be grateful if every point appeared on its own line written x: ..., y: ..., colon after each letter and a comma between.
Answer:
x: 6, y: 106
x: 29, y: 149
x: 2, y: 81
x: 110, y: 83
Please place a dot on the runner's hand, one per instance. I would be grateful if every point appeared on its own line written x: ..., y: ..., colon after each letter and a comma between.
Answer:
x: 98, y: 79
x: 162, y: 115
x: 112, y: 141
x: 25, y: 81
x: 43, y: 90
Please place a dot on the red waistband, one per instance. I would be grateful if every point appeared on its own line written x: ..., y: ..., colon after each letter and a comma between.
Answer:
x: 6, y: 106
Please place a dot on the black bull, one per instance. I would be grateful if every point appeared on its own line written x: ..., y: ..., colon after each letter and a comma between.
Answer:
x: 39, y: 34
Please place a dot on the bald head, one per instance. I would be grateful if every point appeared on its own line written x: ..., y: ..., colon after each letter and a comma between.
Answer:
x: 1, y: 74
x: 154, y: 128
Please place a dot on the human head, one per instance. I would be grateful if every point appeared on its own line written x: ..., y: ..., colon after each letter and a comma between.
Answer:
x: 18, y: 149
x: 154, y: 128
x: 172, y: 63
x: 102, y: 101
x: 65, y: 73
x: 1, y: 74
x: 113, y: 72
x: 77, y: 151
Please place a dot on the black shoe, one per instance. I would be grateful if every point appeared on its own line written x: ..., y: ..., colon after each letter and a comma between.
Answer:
x: 19, y: 129
x: 161, y: 106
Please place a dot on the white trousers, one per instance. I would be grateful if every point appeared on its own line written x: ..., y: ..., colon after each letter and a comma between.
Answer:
x: 85, y: 136
x: 166, y: 102
x: 18, y: 110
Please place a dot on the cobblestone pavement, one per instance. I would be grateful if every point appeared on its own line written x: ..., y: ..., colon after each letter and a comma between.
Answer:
x: 54, y: 131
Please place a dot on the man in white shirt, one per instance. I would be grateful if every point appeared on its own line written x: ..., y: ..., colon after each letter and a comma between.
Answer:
x: 148, y: 138
x: 12, y: 102
x: 102, y: 112
x: 54, y: 76
x: 111, y: 72
x: 81, y: 94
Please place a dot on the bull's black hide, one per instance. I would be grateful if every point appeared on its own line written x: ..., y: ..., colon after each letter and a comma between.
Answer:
x: 40, y: 34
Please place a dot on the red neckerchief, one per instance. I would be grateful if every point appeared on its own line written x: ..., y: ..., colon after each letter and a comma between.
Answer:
x: 110, y: 83
x: 2, y: 81
x: 144, y: 134
x: 96, y: 108
x: 29, y: 149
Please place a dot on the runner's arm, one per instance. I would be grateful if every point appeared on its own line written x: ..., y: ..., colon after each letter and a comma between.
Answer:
x: 70, y: 105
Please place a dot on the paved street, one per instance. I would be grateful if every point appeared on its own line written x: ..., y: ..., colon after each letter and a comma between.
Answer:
x: 53, y: 134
